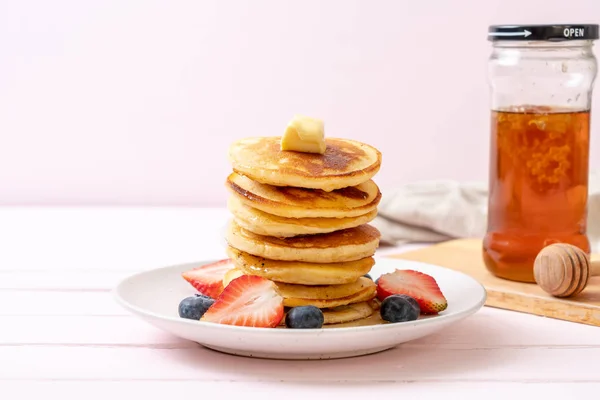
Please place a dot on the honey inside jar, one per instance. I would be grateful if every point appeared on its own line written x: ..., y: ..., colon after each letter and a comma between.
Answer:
x: 538, y: 186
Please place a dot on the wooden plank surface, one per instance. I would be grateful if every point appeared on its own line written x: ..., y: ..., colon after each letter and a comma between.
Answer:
x: 149, y: 389
x: 58, y: 303
x: 406, y: 363
x: 64, y: 336
x: 464, y: 255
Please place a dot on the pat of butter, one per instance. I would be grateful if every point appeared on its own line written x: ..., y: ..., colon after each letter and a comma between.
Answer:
x: 304, y: 134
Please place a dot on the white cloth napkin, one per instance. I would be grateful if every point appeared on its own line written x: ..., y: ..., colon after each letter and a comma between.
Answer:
x: 435, y: 211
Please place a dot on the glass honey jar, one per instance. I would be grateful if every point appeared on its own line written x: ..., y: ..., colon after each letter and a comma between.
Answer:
x: 541, y: 79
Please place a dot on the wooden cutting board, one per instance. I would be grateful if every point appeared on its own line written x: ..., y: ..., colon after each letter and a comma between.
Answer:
x: 464, y: 255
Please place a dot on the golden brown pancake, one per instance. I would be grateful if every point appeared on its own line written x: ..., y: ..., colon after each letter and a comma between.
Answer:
x: 301, y: 273
x: 348, y: 313
x: 364, y: 295
x: 345, y: 163
x: 294, y: 202
x: 231, y: 275
x: 262, y: 223
x: 346, y: 245
x: 324, y: 292
x: 321, y: 296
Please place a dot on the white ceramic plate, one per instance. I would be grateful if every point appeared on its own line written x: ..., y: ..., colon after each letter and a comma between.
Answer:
x: 155, y: 295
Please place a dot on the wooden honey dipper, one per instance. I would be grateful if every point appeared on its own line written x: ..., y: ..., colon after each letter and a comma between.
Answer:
x: 563, y: 270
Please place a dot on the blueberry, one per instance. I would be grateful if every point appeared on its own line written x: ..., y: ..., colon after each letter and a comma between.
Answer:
x: 368, y: 276
x: 399, y: 308
x: 304, y: 317
x: 412, y: 301
x: 194, y: 307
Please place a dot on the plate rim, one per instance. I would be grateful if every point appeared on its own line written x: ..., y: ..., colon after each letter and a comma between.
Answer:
x: 269, y: 331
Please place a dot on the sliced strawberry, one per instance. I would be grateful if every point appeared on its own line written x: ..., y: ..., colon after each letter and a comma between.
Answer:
x: 422, y: 287
x: 247, y: 301
x: 208, y: 279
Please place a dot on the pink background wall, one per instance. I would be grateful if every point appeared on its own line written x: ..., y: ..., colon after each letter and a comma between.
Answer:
x: 135, y: 102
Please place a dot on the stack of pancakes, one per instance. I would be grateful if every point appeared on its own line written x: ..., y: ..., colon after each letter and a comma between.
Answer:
x: 301, y: 221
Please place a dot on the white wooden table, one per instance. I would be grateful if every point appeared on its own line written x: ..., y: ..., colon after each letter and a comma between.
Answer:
x: 61, y: 333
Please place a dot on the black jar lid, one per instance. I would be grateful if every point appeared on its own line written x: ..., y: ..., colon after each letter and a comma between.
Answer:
x: 551, y: 33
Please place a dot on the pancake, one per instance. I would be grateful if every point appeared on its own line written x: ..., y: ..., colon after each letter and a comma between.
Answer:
x: 231, y: 275
x: 345, y: 245
x: 364, y: 295
x: 301, y: 273
x: 348, y: 313
x: 295, y: 202
x: 325, y: 292
x: 262, y: 223
x: 325, y: 296
x: 345, y: 163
